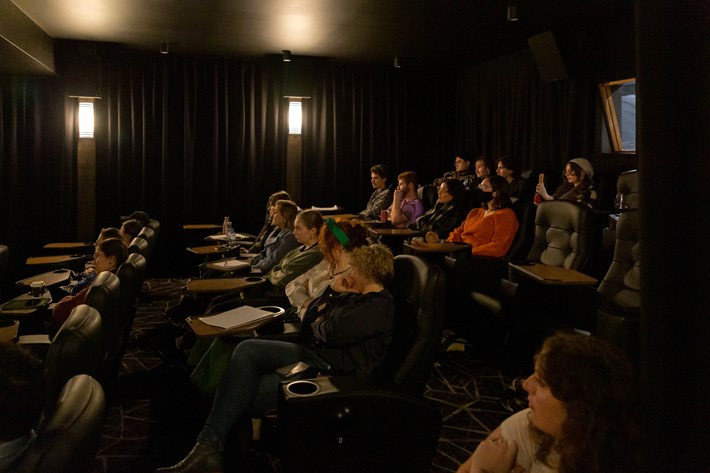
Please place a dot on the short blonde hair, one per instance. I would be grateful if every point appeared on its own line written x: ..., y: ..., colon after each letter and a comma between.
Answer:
x: 374, y: 262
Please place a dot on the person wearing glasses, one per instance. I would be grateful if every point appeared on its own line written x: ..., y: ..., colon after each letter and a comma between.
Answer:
x: 582, y: 415
x: 489, y: 230
x: 447, y: 213
x: 576, y: 186
x: 109, y: 256
x: 343, y: 334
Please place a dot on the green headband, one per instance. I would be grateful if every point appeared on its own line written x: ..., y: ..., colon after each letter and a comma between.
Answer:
x: 337, y: 232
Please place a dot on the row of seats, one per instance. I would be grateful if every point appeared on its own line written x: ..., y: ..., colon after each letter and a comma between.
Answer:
x: 562, y: 235
x: 82, y: 362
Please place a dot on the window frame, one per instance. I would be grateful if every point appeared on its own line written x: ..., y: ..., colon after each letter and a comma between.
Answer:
x: 611, y: 119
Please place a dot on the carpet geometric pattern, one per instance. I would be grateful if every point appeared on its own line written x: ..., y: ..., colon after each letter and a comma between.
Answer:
x: 154, y: 413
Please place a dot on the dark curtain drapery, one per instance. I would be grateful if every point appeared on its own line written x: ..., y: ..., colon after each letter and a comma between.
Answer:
x: 37, y: 165
x: 504, y: 108
x: 363, y: 115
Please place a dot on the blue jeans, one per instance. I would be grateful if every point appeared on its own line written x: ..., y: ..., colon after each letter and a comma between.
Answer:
x: 249, y: 385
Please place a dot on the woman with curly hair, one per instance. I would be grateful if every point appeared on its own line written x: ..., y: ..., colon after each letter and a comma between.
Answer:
x: 581, y: 417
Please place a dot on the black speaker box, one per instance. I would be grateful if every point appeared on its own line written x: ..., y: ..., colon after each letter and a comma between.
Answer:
x: 357, y: 431
x: 547, y: 57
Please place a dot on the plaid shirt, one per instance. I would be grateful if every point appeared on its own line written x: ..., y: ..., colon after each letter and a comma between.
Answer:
x: 379, y: 200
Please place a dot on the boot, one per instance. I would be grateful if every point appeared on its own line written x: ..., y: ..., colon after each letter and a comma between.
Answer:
x: 201, y: 459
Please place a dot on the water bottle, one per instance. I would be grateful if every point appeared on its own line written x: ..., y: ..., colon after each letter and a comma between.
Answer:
x: 231, y: 236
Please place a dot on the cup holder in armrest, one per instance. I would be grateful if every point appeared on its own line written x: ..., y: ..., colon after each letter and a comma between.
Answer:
x: 302, y: 387
x: 253, y: 279
x: 273, y: 308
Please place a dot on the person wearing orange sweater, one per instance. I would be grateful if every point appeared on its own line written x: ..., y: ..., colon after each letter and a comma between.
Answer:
x: 489, y: 230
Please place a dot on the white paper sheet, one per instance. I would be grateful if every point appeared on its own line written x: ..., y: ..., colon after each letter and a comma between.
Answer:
x: 243, y: 315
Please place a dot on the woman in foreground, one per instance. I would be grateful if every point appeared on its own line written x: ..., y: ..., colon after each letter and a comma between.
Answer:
x: 348, y: 334
x: 581, y: 415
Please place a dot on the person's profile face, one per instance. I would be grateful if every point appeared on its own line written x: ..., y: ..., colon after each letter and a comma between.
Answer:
x: 277, y: 218
x: 377, y: 181
x: 402, y: 186
x: 461, y: 164
x: 300, y: 232
x: 443, y: 193
x: 572, y: 176
x: 502, y: 171
x: 547, y: 413
x: 481, y: 169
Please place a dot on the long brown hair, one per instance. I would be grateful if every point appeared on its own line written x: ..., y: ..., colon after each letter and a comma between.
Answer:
x: 594, y: 380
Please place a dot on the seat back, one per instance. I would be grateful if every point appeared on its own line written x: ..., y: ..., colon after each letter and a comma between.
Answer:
x: 130, y: 274
x: 155, y: 225
x: 140, y: 246
x: 525, y: 213
x: 622, y: 282
x: 628, y: 185
x: 419, y: 291
x: 77, y: 348
x: 104, y: 296
x: 68, y: 439
x: 149, y: 235
x: 563, y: 233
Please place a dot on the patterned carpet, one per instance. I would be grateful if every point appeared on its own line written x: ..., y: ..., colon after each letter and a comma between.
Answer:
x: 154, y: 413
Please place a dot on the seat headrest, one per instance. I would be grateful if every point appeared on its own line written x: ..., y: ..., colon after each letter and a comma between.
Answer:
x: 562, y: 234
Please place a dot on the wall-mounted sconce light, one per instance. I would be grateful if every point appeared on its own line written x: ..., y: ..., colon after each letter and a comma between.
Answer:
x: 295, y: 116
x: 396, y: 62
x: 86, y: 119
x: 286, y: 55
x: 164, y: 48
x: 512, y: 13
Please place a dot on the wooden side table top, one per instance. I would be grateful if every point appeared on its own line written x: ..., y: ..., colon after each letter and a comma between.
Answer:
x: 202, y: 329
x: 554, y: 275
x: 201, y: 226
x: 223, y: 284
x: 50, y: 278
x: 210, y: 249
x: 396, y: 232
x: 417, y: 246
x: 40, y: 301
x: 68, y: 245
x: 55, y: 259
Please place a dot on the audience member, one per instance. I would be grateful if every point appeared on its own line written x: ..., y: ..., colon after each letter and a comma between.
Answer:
x: 406, y: 207
x: 268, y: 227
x: 462, y: 171
x: 577, y: 185
x: 281, y: 239
x: 581, y: 419
x: 129, y: 230
x: 306, y: 229
x: 109, y: 255
x: 89, y: 274
x: 508, y: 168
x: 348, y: 334
x: 337, y: 241
x: 381, y: 197
x: 142, y: 217
x: 448, y: 212
x: 483, y: 168
x: 489, y: 230
x: 21, y: 400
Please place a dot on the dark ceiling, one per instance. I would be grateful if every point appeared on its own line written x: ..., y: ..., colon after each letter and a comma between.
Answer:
x: 452, y: 31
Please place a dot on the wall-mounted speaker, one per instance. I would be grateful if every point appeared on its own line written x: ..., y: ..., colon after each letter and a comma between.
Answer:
x: 547, y: 57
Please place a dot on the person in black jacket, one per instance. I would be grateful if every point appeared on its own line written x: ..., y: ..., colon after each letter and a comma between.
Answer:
x: 345, y: 333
